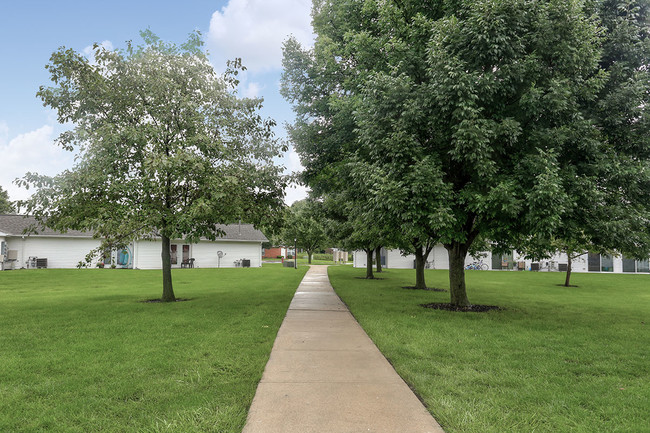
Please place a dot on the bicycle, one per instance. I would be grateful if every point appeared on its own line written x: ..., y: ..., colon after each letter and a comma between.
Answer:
x: 549, y: 266
x: 477, y: 266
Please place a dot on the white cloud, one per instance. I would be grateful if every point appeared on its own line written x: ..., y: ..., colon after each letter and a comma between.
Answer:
x: 252, y: 90
x: 294, y: 161
x: 295, y: 193
x: 89, y: 51
x: 255, y: 29
x: 32, y: 151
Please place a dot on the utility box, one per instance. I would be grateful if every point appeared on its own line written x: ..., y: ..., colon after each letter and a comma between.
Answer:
x: 12, y: 255
x: 288, y: 264
x: 245, y: 263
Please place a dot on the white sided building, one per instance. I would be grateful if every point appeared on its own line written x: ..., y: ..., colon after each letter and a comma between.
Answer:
x: 240, y: 246
x: 438, y: 259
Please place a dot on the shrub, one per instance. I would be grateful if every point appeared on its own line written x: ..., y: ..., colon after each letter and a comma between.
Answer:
x: 328, y: 257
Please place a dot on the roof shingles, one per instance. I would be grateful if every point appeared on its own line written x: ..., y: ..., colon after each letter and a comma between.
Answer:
x: 15, y: 225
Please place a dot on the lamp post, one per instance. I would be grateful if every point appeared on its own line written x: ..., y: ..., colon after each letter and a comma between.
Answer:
x: 295, y: 253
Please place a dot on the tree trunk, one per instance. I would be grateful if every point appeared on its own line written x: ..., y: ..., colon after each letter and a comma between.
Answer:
x: 309, y: 256
x: 369, y: 274
x: 378, y: 258
x: 420, y: 283
x: 568, y: 271
x: 168, y: 290
x: 457, y: 290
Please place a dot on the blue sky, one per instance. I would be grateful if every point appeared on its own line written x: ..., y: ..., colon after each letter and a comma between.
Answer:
x: 30, y: 30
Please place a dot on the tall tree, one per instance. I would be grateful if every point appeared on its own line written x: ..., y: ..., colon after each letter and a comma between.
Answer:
x: 493, y: 96
x: 6, y: 205
x: 303, y: 226
x: 608, y: 184
x: 165, y: 147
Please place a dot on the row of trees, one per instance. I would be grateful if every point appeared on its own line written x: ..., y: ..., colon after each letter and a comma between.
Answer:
x: 511, y: 123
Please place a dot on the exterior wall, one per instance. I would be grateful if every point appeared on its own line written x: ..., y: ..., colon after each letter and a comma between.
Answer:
x: 60, y: 252
x: 273, y: 253
x: 147, y: 253
x: 440, y: 260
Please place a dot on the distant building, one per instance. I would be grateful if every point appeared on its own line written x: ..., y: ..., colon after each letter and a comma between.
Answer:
x: 240, y: 246
x: 438, y: 259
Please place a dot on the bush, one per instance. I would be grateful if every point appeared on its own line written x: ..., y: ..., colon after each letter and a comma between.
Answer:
x: 328, y: 257
x: 289, y: 257
x: 279, y: 257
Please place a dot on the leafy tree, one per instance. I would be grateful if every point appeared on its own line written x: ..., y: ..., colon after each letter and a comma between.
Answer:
x: 608, y: 186
x: 165, y: 148
x: 6, y: 206
x: 303, y: 226
x: 490, y: 96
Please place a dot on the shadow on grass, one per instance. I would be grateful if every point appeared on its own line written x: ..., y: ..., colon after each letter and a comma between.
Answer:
x: 160, y: 301
x: 430, y: 289
x: 470, y: 309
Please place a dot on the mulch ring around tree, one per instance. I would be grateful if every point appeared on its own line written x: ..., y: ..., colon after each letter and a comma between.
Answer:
x: 471, y: 309
x: 156, y: 301
x: 431, y: 289
x: 364, y: 278
x: 564, y: 285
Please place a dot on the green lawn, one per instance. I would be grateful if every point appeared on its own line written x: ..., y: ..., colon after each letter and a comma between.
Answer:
x: 554, y: 360
x: 79, y: 352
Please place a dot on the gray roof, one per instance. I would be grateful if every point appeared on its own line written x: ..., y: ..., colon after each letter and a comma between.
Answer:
x: 14, y: 225
x: 242, y: 232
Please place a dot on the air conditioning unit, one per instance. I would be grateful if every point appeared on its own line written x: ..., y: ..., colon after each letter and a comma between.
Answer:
x: 12, y: 255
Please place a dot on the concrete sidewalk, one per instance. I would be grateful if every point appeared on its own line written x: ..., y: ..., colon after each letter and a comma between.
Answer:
x: 325, y: 374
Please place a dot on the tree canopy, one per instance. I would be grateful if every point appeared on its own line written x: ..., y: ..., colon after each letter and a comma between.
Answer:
x: 480, y: 120
x: 165, y: 147
x: 303, y: 226
x: 6, y: 205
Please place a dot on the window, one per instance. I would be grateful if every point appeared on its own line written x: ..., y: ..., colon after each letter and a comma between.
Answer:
x: 594, y: 262
x: 607, y: 264
x: 642, y: 266
x: 174, y: 254
x: 629, y: 265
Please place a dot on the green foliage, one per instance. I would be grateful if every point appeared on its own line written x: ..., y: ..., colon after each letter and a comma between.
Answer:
x: 164, y: 147
x: 538, y: 365
x: 479, y: 120
x: 6, y: 206
x: 82, y: 353
x: 303, y: 226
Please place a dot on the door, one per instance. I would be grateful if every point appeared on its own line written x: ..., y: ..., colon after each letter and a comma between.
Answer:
x: 186, y: 253
x: 594, y: 262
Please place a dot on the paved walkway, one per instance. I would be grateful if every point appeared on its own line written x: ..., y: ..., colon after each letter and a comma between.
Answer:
x: 325, y: 375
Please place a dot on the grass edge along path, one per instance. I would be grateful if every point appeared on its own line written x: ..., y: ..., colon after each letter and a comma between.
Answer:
x: 555, y: 359
x: 80, y: 352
